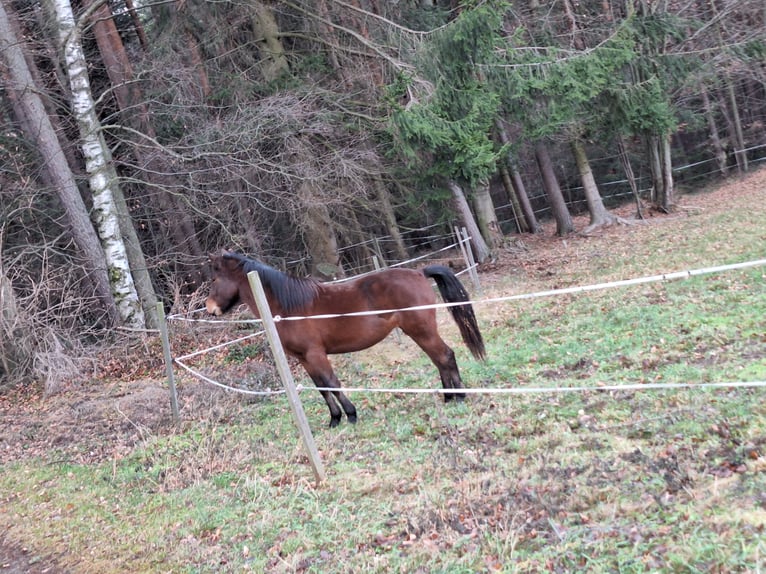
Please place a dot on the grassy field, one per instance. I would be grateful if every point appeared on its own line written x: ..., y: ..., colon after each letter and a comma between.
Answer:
x: 588, y: 481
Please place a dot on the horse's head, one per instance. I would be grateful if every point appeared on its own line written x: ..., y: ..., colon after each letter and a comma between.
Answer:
x: 227, y: 278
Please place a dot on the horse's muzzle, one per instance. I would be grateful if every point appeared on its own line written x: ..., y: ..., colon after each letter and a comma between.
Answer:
x: 213, y: 308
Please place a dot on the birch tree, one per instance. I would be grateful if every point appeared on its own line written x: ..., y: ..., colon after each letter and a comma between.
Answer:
x: 102, y: 176
x: 32, y: 116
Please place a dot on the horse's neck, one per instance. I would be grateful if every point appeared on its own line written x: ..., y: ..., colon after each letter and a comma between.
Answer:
x: 248, y: 298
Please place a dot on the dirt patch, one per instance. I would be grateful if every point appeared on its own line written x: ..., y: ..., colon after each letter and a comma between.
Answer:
x: 17, y: 559
x: 91, y: 424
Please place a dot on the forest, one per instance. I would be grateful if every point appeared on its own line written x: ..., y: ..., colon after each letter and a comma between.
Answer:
x: 140, y: 137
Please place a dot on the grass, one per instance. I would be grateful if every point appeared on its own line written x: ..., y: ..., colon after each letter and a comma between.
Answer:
x: 595, y: 481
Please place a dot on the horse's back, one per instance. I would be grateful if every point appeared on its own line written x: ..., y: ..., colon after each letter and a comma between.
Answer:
x: 395, y: 289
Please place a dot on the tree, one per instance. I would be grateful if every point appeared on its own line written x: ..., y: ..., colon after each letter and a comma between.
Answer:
x: 564, y: 224
x: 35, y: 122
x: 451, y: 130
x: 599, y: 216
x: 650, y: 111
x: 98, y: 164
x: 553, y: 93
x: 517, y: 183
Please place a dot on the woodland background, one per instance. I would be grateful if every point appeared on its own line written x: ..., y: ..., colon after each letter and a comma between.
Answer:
x: 138, y: 137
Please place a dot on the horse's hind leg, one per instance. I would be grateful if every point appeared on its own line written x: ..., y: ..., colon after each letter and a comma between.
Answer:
x: 318, y: 367
x: 443, y: 357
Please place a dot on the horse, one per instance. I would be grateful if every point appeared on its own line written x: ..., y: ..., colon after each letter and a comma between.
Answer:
x: 311, y: 340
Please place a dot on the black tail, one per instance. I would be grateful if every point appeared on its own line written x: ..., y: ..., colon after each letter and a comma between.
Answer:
x: 452, y: 291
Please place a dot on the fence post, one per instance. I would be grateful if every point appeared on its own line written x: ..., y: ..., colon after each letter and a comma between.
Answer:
x: 163, y: 326
x: 287, y: 377
x: 464, y: 242
x: 471, y: 261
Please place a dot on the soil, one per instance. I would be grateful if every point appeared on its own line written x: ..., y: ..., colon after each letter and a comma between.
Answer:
x: 87, y: 423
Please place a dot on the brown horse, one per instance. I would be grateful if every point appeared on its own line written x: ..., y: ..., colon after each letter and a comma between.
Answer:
x: 311, y: 340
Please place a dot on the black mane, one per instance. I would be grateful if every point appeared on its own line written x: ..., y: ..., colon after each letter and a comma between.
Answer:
x: 292, y: 293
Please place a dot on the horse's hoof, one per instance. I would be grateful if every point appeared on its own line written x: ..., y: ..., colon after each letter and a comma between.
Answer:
x: 352, y: 418
x: 334, y: 422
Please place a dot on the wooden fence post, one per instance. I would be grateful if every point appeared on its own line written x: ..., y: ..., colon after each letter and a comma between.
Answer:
x: 472, y: 271
x: 163, y: 327
x: 464, y: 242
x: 283, y: 368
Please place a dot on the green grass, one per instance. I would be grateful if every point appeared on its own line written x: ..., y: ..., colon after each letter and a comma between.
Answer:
x: 594, y: 481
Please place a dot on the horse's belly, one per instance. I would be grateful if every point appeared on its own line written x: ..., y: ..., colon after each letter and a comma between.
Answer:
x: 347, y: 336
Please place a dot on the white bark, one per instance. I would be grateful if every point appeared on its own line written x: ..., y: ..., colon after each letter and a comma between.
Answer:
x: 98, y: 164
x: 57, y: 172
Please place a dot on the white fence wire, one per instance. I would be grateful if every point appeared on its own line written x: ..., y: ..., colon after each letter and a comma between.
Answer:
x: 181, y: 361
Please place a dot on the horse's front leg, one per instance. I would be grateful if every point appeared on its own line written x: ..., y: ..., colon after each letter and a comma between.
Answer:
x: 320, y: 370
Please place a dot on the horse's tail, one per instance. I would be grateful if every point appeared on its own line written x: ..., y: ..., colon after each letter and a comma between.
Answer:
x: 452, y: 291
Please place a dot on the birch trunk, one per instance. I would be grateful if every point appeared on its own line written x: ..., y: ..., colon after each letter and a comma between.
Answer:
x: 57, y: 173
x: 480, y: 248
x: 98, y: 164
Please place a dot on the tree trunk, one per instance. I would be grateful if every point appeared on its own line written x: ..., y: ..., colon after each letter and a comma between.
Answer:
x: 136, y: 114
x: 101, y: 173
x: 564, y: 225
x: 486, y: 217
x: 40, y: 131
x: 518, y: 184
x: 720, y: 152
x: 138, y: 26
x: 273, y: 59
x: 319, y: 235
x: 187, y: 42
x: 737, y: 136
x: 599, y: 216
x: 510, y: 195
x: 655, y: 167
x: 480, y: 249
x: 325, y: 31
x: 389, y: 218
x: 625, y: 160
x: 12, y: 353
x: 668, y: 186
x: 663, y: 195
x: 315, y: 222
